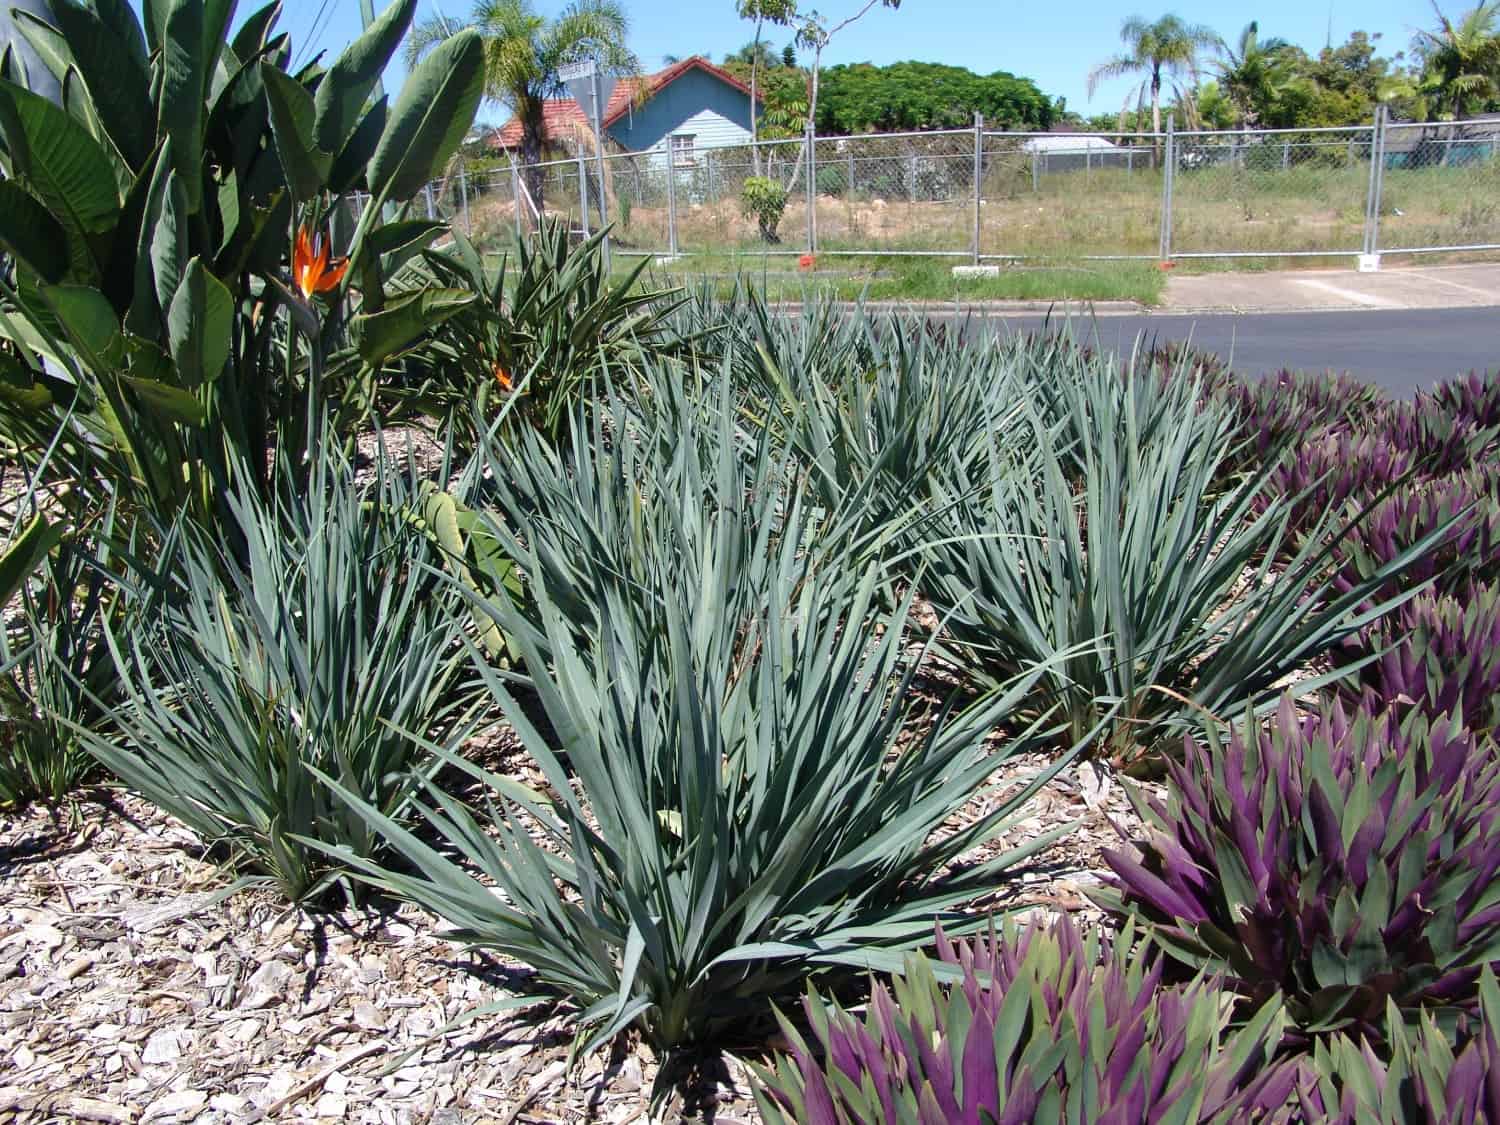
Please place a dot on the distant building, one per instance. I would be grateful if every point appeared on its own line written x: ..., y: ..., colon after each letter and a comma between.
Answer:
x: 684, y: 110
x: 1447, y: 144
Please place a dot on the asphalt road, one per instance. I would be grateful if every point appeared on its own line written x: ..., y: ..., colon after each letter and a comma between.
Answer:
x: 1403, y: 351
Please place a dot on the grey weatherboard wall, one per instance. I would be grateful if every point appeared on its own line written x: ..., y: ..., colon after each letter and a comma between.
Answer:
x: 646, y: 127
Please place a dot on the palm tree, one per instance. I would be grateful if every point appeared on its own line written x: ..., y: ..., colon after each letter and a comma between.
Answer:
x: 523, y: 51
x: 1252, y: 74
x: 1463, y: 59
x: 1166, y: 52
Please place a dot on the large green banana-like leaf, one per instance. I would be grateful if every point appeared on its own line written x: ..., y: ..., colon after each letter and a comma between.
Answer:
x: 63, y: 166
x: 25, y: 554
x: 169, y: 241
x: 90, y: 323
x: 347, y: 86
x: 30, y: 233
x: 350, y: 164
x: 184, y: 76
x: 430, y: 118
x: 383, y: 334
x: 292, y: 116
x: 116, y: 72
x: 198, y: 325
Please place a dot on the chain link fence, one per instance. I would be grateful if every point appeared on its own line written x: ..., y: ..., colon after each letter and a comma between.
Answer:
x: 986, y: 196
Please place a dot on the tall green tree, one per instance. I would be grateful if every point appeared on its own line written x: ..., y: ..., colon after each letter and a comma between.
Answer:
x: 817, y: 31
x: 1463, y: 58
x: 1167, y: 53
x: 1252, y: 74
x: 778, y: 12
x: 523, y: 51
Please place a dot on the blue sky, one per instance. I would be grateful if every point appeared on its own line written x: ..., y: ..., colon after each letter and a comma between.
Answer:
x: 1054, y: 43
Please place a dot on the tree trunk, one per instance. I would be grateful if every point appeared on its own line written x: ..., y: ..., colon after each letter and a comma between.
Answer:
x: 533, y: 175
x: 1156, y: 111
x: 754, y: 74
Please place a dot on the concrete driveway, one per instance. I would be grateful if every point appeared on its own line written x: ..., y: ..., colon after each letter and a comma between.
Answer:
x: 1398, y: 285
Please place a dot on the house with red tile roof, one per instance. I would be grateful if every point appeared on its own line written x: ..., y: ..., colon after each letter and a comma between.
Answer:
x: 686, y: 109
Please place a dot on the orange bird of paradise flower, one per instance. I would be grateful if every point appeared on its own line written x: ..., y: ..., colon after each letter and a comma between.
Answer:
x: 311, y: 269
x: 503, y: 377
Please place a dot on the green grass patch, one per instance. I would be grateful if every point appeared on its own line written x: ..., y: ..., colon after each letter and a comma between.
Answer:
x: 919, y: 279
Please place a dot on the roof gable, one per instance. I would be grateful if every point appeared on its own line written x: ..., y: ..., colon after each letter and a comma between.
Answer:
x: 561, y: 116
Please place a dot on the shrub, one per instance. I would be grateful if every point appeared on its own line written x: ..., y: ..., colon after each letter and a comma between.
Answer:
x: 1339, y: 862
x: 1040, y: 1025
x: 1438, y: 654
x: 742, y: 787
x: 1437, y: 441
x: 764, y: 199
x: 316, y: 655
x: 1109, y: 553
x: 56, y: 672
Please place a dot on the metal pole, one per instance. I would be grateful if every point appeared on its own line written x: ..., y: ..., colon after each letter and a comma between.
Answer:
x: 583, y: 191
x: 599, y: 149
x: 812, y: 191
x: 1372, y: 200
x: 978, y: 178
x: 849, y: 185
x: 463, y: 187
x: 515, y: 194
x: 427, y: 194
x: 1036, y: 172
x: 671, y: 203
x: 1169, y: 177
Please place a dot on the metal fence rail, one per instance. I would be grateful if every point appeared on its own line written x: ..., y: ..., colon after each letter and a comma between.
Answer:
x: 986, y: 196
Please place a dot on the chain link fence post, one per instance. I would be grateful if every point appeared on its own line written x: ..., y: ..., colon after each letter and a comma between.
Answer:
x: 515, y: 195
x: 1369, y: 260
x: 978, y: 178
x: 583, y: 192
x: 427, y: 195
x: 1169, y: 175
x: 463, y: 187
x: 812, y: 190
x: 671, y: 203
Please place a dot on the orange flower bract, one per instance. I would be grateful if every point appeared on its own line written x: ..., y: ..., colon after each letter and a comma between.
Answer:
x: 312, y: 272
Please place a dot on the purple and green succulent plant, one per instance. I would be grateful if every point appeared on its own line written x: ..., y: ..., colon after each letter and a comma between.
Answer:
x: 1473, y: 398
x: 1289, y: 409
x: 1438, y: 441
x: 1338, y: 861
x: 1419, y: 1079
x: 1036, y: 1024
x: 1438, y: 655
x: 1332, y: 470
x: 1459, y: 510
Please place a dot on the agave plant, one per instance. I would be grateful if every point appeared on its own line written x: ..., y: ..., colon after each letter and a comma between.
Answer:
x: 718, y: 677
x: 308, y: 657
x: 150, y: 315
x: 1342, y: 862
x: 1033, y: 1024
x: 1149, y: 586
x: 1437, y: 654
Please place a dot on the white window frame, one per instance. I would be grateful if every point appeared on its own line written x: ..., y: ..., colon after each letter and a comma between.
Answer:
x: 682, y: 147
